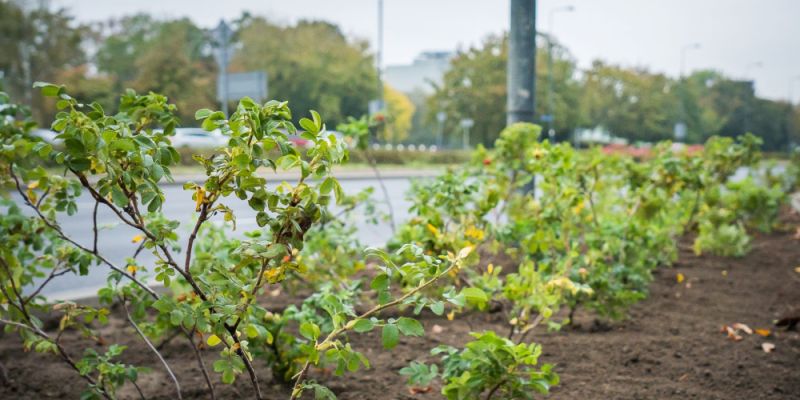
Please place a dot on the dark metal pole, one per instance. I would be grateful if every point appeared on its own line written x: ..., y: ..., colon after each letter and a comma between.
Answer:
x: 379, y: 54
x: 521, y: 79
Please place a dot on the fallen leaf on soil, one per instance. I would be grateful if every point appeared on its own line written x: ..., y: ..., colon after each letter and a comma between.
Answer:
x: 437, y: 329
x: 415, y: 390
x: 732, y: 335
x: 725, y: 273
x: 767, y: 347
x: 679, y: 277
x: 742, y: 327
x: 797, y: 269
x: 763, y: 332
x: 797, y: 234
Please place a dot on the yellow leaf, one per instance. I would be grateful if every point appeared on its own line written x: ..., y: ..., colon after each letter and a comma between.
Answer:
x: 199, y: 198
x: 680, y: 278
x: 235, y: 347
x: 489, y: 268
x: 33, y: 185
x: 432, y: 229
x: 132, y: 269
x: 137, y: 239
x: 763, y: 332
x: 463, y: 253
x: 451, y: 315
x: 213, y: 340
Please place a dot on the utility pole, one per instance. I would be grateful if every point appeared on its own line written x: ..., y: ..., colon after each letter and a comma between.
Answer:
x: 222, y: 35
x: 379, y: 55
x: 521, y: 79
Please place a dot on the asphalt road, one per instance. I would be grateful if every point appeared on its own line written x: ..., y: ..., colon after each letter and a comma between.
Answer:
x: 114, y: 239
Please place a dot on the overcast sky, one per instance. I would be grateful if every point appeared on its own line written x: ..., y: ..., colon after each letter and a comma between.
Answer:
x: 733, y: 34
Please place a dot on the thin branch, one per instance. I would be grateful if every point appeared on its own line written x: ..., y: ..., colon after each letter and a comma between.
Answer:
x: 150, y: 345
x: 200, y: 362
x: 374, y: 166
x: 325, y: 344
x: 63, y: 236
x: 94, y: 225
x: 53, y: 274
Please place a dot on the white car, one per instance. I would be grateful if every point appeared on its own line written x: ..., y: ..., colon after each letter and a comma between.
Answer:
x: 198, y: 138
x: 47, y: 135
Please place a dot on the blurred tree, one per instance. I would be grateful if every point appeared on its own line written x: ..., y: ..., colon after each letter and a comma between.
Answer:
x: 173, y: 63
x: 630, y: 103
x: 312, y: 64
x: 122, y: 43
x: 475, y: 87
x: 35, y: 46
x: 168, y: 57
x: 399, y: 112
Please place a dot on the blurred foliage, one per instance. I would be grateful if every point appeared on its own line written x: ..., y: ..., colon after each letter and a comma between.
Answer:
x: 399, y: 113
x: 332, y: 72
x: 325, y: 70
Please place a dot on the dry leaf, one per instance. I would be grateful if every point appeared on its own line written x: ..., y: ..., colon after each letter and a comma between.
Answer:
x: 797, y: 269
x: 742, y: 327
x: 732, y: 335
x: 724, y: 272
x: 797, y: 234
x: 437, y: 329
x: 415, y: 390
x: 680, y: 278
x: 763, y: 332
x: 767, y: 347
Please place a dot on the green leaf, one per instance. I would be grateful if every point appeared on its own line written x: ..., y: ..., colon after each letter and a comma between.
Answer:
x: 48, y: 89
x: 437, y: 308
x: 309, y: 330
x: 475, y: 296
x: 326, y: 186
x: 380, y: 282
x: 390, y: 336
x: 338, y: 191
x: 363, y: 325
x: 118, y: 196
x: 410, y: 327
x: 202, y: 113
x: 308, y: 125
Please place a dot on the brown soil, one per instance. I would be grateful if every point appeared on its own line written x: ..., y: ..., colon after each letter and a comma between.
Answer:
x: 669, y: 348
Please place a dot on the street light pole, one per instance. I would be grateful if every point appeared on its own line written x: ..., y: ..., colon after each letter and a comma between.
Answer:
x: 684, y: 49
x: 222, y: 34
x: 379, y: 55
x: 551, y: 109
x: 521, y: 75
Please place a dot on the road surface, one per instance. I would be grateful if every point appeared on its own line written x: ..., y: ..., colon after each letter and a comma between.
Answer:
x: 114, y: 239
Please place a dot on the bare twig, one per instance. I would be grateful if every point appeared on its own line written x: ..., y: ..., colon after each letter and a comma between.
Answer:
x: 386, y: 196
x: 150, y: 345
x: 54, y: 226
x: 328, y: 342
x: 94, y: 226
x: 200, y: 362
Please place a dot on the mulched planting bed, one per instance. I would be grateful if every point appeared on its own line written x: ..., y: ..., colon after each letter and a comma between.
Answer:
x: 670, y: 346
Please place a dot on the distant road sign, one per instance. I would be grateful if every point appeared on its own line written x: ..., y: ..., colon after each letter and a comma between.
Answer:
x: 244, y: 84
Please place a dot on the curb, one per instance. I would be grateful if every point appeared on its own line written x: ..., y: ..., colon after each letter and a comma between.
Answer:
x: 340, y: 175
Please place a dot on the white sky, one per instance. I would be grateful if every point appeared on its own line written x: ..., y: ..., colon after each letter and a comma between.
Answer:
x: 733, y: 33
